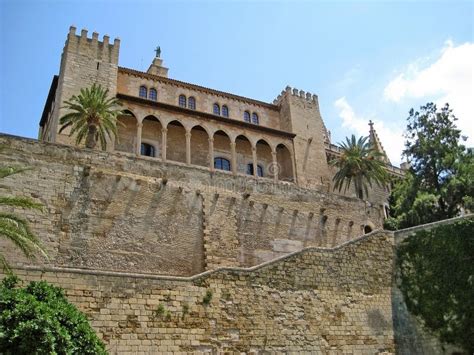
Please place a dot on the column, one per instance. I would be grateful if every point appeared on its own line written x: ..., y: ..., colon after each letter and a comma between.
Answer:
x: 138, y: 148
x: 254, y: 161
x: 211, y: 154
x: 188, y: 148
x: 164, y: 132
x: 294, y: 167
x: 275, y: 166
x: 233, y: 158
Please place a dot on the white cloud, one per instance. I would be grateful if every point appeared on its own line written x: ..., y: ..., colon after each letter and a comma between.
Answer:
x: 448, y: 79
x: 390, y: 137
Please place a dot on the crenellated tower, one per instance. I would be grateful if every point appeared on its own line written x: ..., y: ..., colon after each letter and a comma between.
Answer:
x: 299, y: 114
x: 84, y: 61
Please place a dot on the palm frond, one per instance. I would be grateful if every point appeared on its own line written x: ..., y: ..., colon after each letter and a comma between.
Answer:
x: 359, y: 164
x: 23, y: 202
x: 11, y: 170
x: 92, y: 109
x: 5, y: 266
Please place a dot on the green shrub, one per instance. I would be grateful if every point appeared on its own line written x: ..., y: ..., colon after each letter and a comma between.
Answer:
x: 38, y: 319
x: 185, y: 309
x: 391, y: 224
x: 207, y: 298
x: 436, y: 270
x: 160, y: 310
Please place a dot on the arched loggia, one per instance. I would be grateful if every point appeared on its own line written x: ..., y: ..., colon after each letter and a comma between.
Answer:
x: 126, y: 132
x: 176, y: 142
x: 199, y: 146
x: 243, y: 150
x: 221, y: 148
x: 285, y: 163
x: 263, y: 158
x: 151, y: 137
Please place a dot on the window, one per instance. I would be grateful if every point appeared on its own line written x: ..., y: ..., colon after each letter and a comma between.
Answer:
x: 250, y: 170
x: 216, y: 109
x: 143, y: 92
x: 182, y: 101
x: 247, y: 116
x: 147, y: 150
x: 222, y: 164
x: 254, y: 118
x: 152, y: 94
x: 225, y: 111
x: 367, y: 229
x: 192, y: 103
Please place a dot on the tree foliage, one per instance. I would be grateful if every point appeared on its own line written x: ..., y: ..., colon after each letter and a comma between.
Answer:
x: 440, y: 181
x: 92, y: 116
x: 14, y: 227
x: 436, y: 269
x: 360, y: 164
x: 38, y: 319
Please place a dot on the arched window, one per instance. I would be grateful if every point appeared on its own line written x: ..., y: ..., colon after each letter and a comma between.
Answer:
x: 367, y: 229
x: 247, y: 116
x: 182, y: 101
x: 225, y: 111
x: 152, y: 94
x: 192, y: 103
x: 222, y: 164
x: 216, y: 109
x: 254, y: 118
x: 250, y: 169
x: 147, y: 150
x: 143, y: 92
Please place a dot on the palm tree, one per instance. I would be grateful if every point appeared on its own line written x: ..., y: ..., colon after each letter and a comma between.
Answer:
x: 92, y: 116
x: 359, y: 162
x: 15, y: 228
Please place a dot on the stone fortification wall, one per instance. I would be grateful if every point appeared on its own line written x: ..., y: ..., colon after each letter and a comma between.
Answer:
x: 114, y: 211
x: 314, y: 301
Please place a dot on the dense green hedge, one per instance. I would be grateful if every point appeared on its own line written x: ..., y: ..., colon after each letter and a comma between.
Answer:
x: 38, y: 319
x: 436, y: 269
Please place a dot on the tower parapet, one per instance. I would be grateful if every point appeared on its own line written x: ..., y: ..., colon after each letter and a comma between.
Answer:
x: 299, y: 114
x: 84, y: 61
x: 101, y: 50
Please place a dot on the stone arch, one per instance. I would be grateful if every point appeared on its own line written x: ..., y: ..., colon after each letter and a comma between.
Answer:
x: 221, y: 145
x: 284, y: 162
x: 368, y: 227
x: 209, y: 132
x: 243, y: 151
x: 152, y: 134
x: 199, y: 145
x: 126, y: 132
x: 223, y: 130
x: 264, y: 156
x: 176, y: 141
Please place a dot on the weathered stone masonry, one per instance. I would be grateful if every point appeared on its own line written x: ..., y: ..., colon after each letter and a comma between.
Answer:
x: 314, y: 301
x: 114, y: 211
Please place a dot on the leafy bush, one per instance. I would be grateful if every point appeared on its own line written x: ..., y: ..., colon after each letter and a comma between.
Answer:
x: 207, y: 298
x: 436, y: 270
x: 38, y: 319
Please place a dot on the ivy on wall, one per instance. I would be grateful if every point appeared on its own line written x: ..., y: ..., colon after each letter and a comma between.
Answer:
x: 436, y: 272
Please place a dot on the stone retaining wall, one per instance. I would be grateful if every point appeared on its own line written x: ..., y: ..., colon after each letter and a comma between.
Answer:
x: 314, y: 301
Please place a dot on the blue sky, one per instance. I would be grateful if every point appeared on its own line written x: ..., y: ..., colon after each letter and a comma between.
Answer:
x: 365, y: 60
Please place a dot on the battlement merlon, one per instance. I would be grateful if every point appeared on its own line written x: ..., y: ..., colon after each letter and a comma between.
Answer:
x: 102, y: 50
x: 298, y: 93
